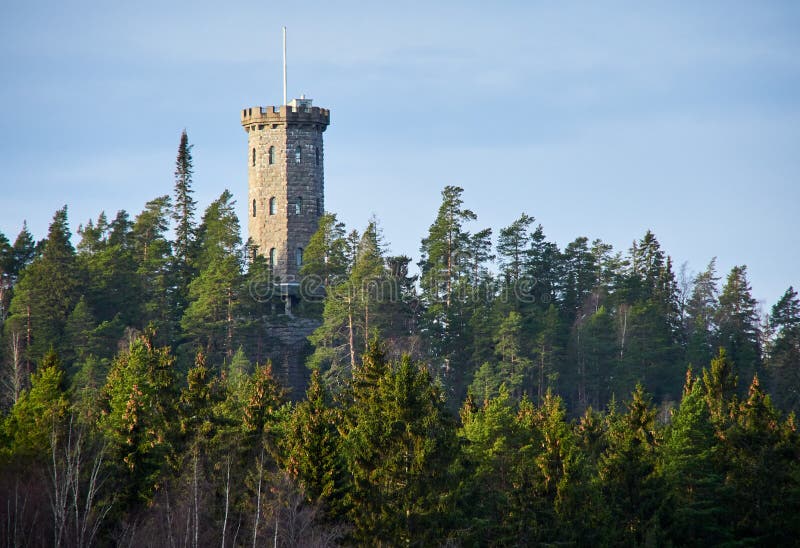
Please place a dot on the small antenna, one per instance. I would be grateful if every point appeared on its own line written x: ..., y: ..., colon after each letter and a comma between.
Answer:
x: 284, y: 66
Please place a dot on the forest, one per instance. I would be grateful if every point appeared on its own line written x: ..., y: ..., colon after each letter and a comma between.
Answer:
x: 513, y: 393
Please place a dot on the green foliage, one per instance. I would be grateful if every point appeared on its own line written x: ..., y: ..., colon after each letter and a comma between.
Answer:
x: 46, y: 293
x: 38, y: 414
x: 737, y: 318
x: 191, y: 452
x: 138, y: 403
x: 399, y: 444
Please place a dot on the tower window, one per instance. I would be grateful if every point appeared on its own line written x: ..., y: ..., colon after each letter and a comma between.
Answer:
x: 316, y: 156
x: 254, y: 156
x: 298, y: 256
x: 254, y: 208
x: 298, y: 205
x: 297, y: 152
x: 272, y: 257
x: 272, y: 206
x: 271, y: 155
x: 319, y: 206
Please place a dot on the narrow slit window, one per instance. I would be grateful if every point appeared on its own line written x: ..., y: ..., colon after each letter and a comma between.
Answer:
x: 272, y: 206
x: 271, y: 155
x: 254, y: 208
x: 298, y: 256
x: 316, y: 156
x: 319, y: 206
x: 254, y: 156
x: 297, y: 154
x: 298, y: 205
x: 272, y: 257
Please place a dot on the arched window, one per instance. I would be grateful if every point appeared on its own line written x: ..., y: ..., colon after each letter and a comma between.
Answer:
x: 254, y: 208
x: 298, y: 256
x: 297, y: 152
x: 254, y: 156
x: 272, y: 257
x: 316, y: 156
x: 272, y: 206
x: 298, y: 205
x: 271, y: 155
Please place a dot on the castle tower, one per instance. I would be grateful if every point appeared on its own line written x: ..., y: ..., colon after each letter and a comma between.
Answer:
x: 286, y: 182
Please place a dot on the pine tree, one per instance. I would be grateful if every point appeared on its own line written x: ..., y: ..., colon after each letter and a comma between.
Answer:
x: 512, y: 248
x: 6, y: 268
x: 354, y: 311
x: 580, y: 275
x: 445, y: 268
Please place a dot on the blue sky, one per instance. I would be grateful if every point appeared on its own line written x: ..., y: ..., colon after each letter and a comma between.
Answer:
x: 599, y: 120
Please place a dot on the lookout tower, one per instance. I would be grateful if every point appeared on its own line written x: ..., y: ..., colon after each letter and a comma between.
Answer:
x: 286, y: 182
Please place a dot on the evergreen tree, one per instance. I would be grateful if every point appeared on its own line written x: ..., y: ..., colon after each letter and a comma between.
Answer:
x: 690, y: 466
x: 701, y: 311
x: 580, y: 275
x: 738, y: 321
x: 112, y: 283
x: 152, y: 252
x: 543, y: 271
x: 514, y: 367
x: 138, y: 406
x: 37, y: 415
x: 762, y: 459
x: 399, y: 443
x: 325, y: 256
x: 494, y: 442
x: 512, y: 248
x: 354, y: 311
x: 183, y: 214
x: 314, y: 452
x: 22, y: 252
x: 210, y: 319
x: 631, y: 488
x: 784, y: 356
x: 445, y: 267
x: 6, y: 268
x: 46, y: 293
x: 595, y: 351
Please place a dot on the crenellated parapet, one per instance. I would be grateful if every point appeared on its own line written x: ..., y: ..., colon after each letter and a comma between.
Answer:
x: 285, y: 115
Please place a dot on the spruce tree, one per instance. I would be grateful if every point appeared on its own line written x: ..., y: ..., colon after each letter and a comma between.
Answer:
x: 183, y: 214
x: 46, y: 293
x: 210, y: 319
x: 738, y: 321
x: 783, y: 365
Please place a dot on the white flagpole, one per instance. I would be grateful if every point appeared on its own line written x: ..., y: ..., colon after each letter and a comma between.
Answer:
x: 284, y: 66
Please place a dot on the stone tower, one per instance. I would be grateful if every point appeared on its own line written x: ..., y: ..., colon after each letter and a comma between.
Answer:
x: 286, y: 181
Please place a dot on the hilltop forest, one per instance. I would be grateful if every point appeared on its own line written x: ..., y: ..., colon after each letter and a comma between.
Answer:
x: 512, y: 393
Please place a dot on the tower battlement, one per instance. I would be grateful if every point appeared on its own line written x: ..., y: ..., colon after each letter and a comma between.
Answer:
x: 286, y: 182
x: 286, y: 115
